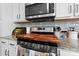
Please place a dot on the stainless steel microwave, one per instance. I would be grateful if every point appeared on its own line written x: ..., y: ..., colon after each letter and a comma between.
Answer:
x: 39, y: 10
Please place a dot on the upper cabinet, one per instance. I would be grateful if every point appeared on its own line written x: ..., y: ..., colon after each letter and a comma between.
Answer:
x: 22, y: 10
x: 6, y: 11
x: 16, y: 11
x: 64, y: 10
x: 67, y: 10
x: 19, y: 11
x: 61, y: 11
x: 0, y: 11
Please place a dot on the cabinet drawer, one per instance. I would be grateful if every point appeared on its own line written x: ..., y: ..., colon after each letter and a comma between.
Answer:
x: 68, y: 53
x: 12, y: 42
x: 4, y: 41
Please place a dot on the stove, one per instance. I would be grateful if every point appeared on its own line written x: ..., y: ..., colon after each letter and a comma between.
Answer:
x: 50, y: 48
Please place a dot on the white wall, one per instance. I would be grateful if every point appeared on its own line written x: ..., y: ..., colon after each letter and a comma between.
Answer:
x: 6, y: 19
x: 63, y: 25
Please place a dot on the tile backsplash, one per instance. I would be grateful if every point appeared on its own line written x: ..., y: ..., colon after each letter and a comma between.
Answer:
x: 39, y: 24
x: 63, y: 25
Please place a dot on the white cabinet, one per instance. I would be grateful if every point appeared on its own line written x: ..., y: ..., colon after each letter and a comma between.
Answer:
x: 8, y: 48
x: 12, y: 49
x: 19, y: 11
x: 67, y: 10
x: 0, y: 11
x: 4, y: 47
x: 61, y: 11
x: 0, y: 48
x: 64, y: 10
x: 22, y: 10
x: 12, y: 11
x: 68, y: 53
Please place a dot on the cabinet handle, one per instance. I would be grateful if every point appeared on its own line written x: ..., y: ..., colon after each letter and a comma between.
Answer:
x: 76, y: 8
x: 11, y: 44
x: 8, y: 52
x: 17, y: 16
x: 3, y: 42
x: 5, y: 52
x: 70, y: 9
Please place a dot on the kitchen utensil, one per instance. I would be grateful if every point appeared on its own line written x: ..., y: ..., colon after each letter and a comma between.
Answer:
x: 19, y: 30
x: 73, y: 39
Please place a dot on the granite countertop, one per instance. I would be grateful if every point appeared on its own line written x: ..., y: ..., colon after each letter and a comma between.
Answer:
x: 40, y: 37
x: 76, y: 50
x: 10, y: 37
x: 69, y: 46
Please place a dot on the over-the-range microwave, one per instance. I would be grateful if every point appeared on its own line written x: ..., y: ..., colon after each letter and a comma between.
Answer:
x: 41, y: 11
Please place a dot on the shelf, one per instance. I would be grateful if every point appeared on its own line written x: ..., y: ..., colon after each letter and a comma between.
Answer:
x: 56, y: 20
x: 21, y: 21
x: 67, y: 20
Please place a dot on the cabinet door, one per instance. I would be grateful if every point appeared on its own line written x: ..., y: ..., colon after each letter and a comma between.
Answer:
x: 12, y: 49
x: 22, y: 11
x: 68, y: 53
x: 0, y: 48
x: 4, y: 47
x: 15, y: 11
x: 64, y: 10
x: 0, y: 11
x: 76, y: 6
x: 19, y: 11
